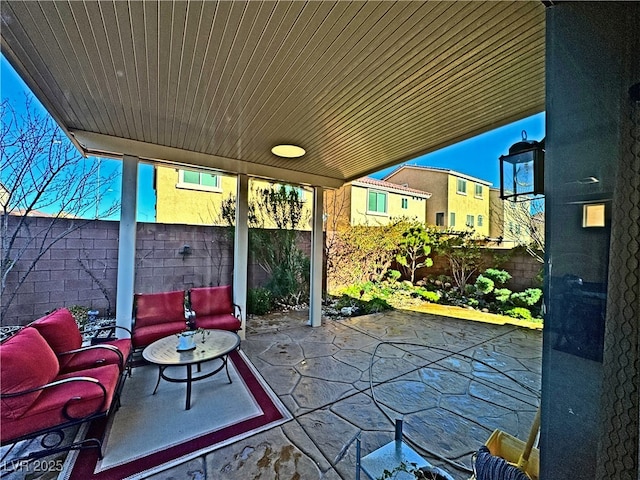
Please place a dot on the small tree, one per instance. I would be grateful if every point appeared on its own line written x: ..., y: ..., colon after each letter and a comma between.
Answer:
x: 463, y: 254
x: 415, y: 246
x: 275, y: 249
x: 41, y: 172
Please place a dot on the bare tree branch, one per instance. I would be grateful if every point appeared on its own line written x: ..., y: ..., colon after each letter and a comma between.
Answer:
x: 43, y: 179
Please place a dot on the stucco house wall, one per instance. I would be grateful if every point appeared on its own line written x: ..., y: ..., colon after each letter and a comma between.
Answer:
x: 442, y: 184
x: 183, y: 203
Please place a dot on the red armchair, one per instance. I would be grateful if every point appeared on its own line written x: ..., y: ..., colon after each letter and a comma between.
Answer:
x: 157, y: 315
x: 214, y: 308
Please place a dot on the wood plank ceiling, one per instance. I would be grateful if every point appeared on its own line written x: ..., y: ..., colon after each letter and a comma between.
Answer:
x: 360, y: 85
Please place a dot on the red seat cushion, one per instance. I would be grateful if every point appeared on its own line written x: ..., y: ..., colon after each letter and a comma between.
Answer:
x: 211, y: 300
x: 144, y: 336
x: 26, y: 361
x: 46, y: 411
x: 221, y: 322
x: 96, y: 356
x: 60, y: 330
x: 153, y: 308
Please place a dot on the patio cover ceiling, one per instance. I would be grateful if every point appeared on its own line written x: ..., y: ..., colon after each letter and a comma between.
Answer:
x: 360, y: 85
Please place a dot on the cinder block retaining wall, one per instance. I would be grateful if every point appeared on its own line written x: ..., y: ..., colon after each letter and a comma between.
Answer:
x: 523, y: 267
x: 81, y: 268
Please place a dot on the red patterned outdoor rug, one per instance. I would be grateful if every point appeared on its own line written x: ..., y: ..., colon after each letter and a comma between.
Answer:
x: 150, y: 433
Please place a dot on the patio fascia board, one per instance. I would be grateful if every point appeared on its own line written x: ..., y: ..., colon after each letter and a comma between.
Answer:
x: 99, y: 145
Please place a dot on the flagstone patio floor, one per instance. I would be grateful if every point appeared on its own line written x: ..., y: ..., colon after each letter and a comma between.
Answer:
x: 452, y: 382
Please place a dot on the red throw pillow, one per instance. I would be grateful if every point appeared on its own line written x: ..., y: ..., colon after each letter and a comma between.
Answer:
x: 60, y: 330
x: 26, y: 361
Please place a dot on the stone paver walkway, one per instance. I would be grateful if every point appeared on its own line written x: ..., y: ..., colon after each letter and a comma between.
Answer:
x: 452, y: 381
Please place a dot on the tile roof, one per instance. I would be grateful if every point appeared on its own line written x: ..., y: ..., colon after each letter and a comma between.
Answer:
x: 391, y: 186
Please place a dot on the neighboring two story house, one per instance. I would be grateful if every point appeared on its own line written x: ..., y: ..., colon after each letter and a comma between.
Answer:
x: 516, y: 223
x: 195, y: 196
x: 368, y: 201
x: 458, y: 201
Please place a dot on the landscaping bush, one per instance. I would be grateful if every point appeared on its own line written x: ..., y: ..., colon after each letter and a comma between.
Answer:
x: 362, y: 307
x: 499, y: 277
x: 259, y: 301
x: 502, y: 294
x: 428, y: 295
x: 518, y: 312
x: 80, y: 314
x: 485, y: 285
x: 528, y: 298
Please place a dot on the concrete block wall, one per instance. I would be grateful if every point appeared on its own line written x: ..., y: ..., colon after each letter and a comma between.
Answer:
x: 81, y: 268
x: 523, y: 267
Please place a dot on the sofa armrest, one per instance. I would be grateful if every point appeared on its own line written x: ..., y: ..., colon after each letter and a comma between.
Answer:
x: 111, y: 348
x: 69, y: 403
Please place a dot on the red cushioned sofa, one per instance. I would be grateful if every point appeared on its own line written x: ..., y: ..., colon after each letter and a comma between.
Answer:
x: 48, y: 381
x: 157, y: 315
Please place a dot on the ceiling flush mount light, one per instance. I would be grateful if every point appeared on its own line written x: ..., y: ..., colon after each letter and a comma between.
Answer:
x: 288, y: 151
x: 522, y: 170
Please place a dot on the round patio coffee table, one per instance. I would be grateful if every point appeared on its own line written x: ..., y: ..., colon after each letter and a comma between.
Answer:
x: 212, y: 345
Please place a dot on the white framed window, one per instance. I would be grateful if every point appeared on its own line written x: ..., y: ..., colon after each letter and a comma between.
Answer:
x: 461, y: 186
x: 470, y: 221
x: 377, y: 202
x: 480, y: 220
x: 479, y: 191
x: 440, y: 219
x: 194, y: 180
x: 452, y: 219
x: 405, y: 203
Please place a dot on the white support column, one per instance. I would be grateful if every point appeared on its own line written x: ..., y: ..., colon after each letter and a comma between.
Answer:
x: 127, y: 244
x: 241, y: 249
x: 317, y: 253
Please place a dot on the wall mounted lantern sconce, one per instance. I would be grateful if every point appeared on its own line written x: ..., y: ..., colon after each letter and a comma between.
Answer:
x: 522, y: 170
x: 186, y: 250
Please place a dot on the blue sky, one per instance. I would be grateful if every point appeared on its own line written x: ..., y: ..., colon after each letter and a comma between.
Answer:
x: 477, y: 156
x: 13, y: 88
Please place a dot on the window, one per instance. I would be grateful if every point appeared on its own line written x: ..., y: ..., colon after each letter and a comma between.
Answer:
x: 470, y: 221
x: 452, y: 219
x: 198, y: 180
x: 377, y: 202
x: 480, y: 220
x: 299, y: 190
x: 462, y: 186
x: 405, y: 203
x: 440, y: 219
x: 478, y: 190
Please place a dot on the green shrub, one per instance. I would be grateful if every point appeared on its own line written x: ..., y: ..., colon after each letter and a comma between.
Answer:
x: 528, y: 298
x: 499, y: 277
x: 259, y: 301
x: 502, y: 294
x: 80, y: 314
x: 484, y: 284
x: 363, y: 307
x: 394, y: 275
x: 473, y: 302
x: 375, y: 305
x: 518, y: 312
x: 429, y: 296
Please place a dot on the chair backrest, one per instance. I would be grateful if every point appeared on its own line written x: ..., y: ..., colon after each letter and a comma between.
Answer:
x: 211, y: 300
x: 154, y: 308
